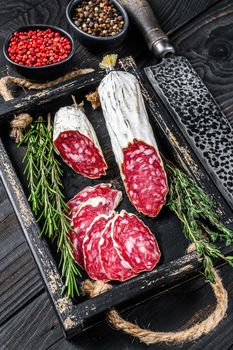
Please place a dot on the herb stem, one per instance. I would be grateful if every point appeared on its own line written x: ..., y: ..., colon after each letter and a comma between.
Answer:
x: 200, y: 221
x: 44, y: 175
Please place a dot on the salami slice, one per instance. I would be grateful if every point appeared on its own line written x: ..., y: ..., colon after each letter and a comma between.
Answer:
x: 90, y: 203
x: 134, y: 242
x: 144, y: 178
x: 77, y: 144
x: 133, y: 141
x: 81, y: 223
x: 91, y: 242
x: 112, y: 196
x: 114, y: 266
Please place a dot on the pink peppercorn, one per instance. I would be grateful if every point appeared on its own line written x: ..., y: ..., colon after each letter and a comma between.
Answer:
x: 36, y: 48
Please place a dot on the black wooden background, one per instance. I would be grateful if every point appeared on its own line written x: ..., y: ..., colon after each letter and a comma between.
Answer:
x: 202, y: 30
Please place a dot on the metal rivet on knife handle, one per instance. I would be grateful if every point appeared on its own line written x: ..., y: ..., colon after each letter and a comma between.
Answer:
x: 156, y: 39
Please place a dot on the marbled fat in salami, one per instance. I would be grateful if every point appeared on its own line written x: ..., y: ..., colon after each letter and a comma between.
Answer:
x: 114, y: 266
x: 87, y: 205
x: 91, y: 242
x: 81, y: 223
x: 112, y: 196
x: 144, y: 178
x: 77, y: 144
x: 134, y: 242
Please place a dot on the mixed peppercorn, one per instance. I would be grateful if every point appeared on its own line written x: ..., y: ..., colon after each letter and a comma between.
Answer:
x: 36, y: 48
x: 98, y: 18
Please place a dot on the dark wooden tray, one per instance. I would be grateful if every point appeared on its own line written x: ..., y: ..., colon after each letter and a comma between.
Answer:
x: 175, y: 265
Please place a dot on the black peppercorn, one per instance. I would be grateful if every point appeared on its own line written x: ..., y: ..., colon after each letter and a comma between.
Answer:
x: 98, y: 18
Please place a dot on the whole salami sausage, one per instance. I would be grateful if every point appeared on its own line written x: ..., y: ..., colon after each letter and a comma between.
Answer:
x: 77, y: 143
x: 133, y: 141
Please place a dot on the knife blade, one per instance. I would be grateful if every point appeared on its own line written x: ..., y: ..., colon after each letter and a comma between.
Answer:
x: 188, y: 100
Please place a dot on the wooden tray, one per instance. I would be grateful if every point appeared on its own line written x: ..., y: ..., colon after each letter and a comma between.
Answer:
x: 175, y: 265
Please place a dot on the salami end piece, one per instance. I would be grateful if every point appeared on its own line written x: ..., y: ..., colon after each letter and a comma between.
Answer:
x: 135, y: 242
x: 91, y: 254
x: 144, y: 177
x: 77, y: 144
x: 114, y: 266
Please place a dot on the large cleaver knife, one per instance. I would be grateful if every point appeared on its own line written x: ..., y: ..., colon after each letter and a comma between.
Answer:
x: 186, y: 97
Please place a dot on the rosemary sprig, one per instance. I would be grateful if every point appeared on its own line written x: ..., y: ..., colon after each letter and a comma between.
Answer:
x: 44, y: 176
x: 196, y: 211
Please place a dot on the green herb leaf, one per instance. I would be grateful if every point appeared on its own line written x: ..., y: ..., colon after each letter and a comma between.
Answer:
x: 44, y: 175
x: 201, y: 223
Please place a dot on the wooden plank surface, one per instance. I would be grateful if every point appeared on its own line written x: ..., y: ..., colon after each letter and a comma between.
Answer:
x: 36, y: 326
x: 20, y: 280
x: 30, y: 324
x: 207, y: 42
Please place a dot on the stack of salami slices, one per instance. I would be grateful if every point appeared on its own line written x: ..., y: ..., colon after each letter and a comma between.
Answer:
x: 107, y: 244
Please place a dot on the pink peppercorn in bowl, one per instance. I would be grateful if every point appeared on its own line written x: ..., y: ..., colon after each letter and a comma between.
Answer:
x: 39, y: 51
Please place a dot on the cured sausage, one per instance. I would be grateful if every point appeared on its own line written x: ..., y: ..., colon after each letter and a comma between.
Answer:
x: 144, y: 177
x: 77, y: 143
x: 114, y: 266
x: 112, y: 196
x: 135, y: 242
x: 86, y: 206
x: 91, y: 254
x: 133, y: 141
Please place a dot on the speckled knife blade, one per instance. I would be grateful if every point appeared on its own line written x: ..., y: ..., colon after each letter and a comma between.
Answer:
x: 198, y: 116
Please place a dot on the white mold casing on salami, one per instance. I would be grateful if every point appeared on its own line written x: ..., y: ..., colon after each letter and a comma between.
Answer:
x: 70, y: 119
x: 73, y: 118
x: 127, y: 121
x: 125, y: 112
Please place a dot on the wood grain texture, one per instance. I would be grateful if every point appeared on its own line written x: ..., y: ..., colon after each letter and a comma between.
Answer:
x: 171, y: 14
x: 11, y: 9
x: 36, y: 327
x: 19, y: 277
x: 208, y: 44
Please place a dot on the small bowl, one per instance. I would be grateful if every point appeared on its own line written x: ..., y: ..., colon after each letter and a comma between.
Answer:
x: 98, y: 43
x: 47, y: 72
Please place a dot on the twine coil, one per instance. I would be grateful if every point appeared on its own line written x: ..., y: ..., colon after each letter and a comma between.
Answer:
x: 23, y: 120
x: 94, y: 288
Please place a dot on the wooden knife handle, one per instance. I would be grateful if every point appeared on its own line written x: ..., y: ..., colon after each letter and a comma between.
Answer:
x: 156, y: 39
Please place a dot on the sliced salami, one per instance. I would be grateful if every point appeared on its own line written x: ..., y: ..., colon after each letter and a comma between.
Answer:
x: 115, y: 267
x: 88, y: 205
x: 135, y: 242
x: 133, y: 142
x: 77, y: 144
x: 144, y: 178
x: 91, y: 242
x: 112, y: 196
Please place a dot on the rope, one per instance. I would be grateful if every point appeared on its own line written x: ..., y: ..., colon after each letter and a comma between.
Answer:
x: 23, y: 120
x: 151, y: 337
x: 18, y: 125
